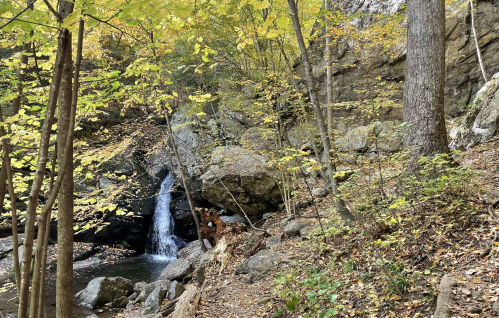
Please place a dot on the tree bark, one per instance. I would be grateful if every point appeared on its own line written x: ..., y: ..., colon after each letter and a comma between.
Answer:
x: 329, y: 78
x: 341, y: 207
x: 478, y: 52
x: 67, y: 112
x: 63, y: 184
x: 39, y: 174
x: 425, y: 78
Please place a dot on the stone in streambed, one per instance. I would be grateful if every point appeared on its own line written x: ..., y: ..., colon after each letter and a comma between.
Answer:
x: 120, y: 302
x: 176, y: 289
x: 104, y: 290
x: 177, y: 270
x: 154, y: 300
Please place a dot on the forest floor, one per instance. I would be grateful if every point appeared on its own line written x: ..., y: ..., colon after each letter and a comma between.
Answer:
x: 367, y: 277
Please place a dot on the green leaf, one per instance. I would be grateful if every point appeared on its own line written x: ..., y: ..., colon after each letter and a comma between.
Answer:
x: 291, y: 304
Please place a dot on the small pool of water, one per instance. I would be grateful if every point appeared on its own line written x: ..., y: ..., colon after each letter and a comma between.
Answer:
x: 146, y: 268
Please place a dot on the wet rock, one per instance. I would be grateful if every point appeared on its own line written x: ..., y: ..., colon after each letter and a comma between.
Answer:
x: 139, y: 286
x: 177, y: 270
x: 293, y: 228
x: 176, y: 289
x: 103, y: 290
x: 185, y: 226
x: 147, y: 290
x: 133, y: 296
x: 192, y: 250
x: 119, y: 302
x: 154, y: 300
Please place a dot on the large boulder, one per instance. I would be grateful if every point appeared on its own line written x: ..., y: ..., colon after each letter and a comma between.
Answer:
x: 379, y: 136
x: 103, y: 290
x: 7, y: 245
x: 177, y: 269
x: 259, y: 265
x: 482, y: 120
x: 248, y: 178
x: 192, y: 145
x: 293, y: 228
x: 192, y: 250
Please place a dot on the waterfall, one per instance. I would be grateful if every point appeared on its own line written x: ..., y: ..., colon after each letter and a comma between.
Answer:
x: 162, y: 242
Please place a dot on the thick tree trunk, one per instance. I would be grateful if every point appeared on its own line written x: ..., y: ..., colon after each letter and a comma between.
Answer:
x: 341, y: 207
x: 425, y: 78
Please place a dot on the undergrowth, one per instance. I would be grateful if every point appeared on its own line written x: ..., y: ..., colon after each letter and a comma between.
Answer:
x: 405, y: 220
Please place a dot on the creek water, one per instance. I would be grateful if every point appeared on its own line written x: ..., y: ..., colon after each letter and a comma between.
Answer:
x: 143, y: 268
x: 162, y: 248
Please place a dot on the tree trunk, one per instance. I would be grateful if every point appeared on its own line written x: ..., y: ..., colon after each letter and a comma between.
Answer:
x: 39, y: 174
x: 63, y: 184
x: 329, y: 78
x: 425, y: 78
x: 478, y: 53
x: 67, y: 113
x: 184, y: 181
x: 341, y: 207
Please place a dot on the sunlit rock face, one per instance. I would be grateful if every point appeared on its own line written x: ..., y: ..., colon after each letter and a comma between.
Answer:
x: 354, y: 83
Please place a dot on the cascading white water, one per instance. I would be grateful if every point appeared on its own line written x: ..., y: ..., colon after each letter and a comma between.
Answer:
x: 161, y: 239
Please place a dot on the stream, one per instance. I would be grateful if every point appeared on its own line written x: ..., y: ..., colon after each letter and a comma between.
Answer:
x: 162, y: 248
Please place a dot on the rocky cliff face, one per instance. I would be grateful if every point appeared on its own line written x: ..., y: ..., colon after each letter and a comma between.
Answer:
x: 464, y: 78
